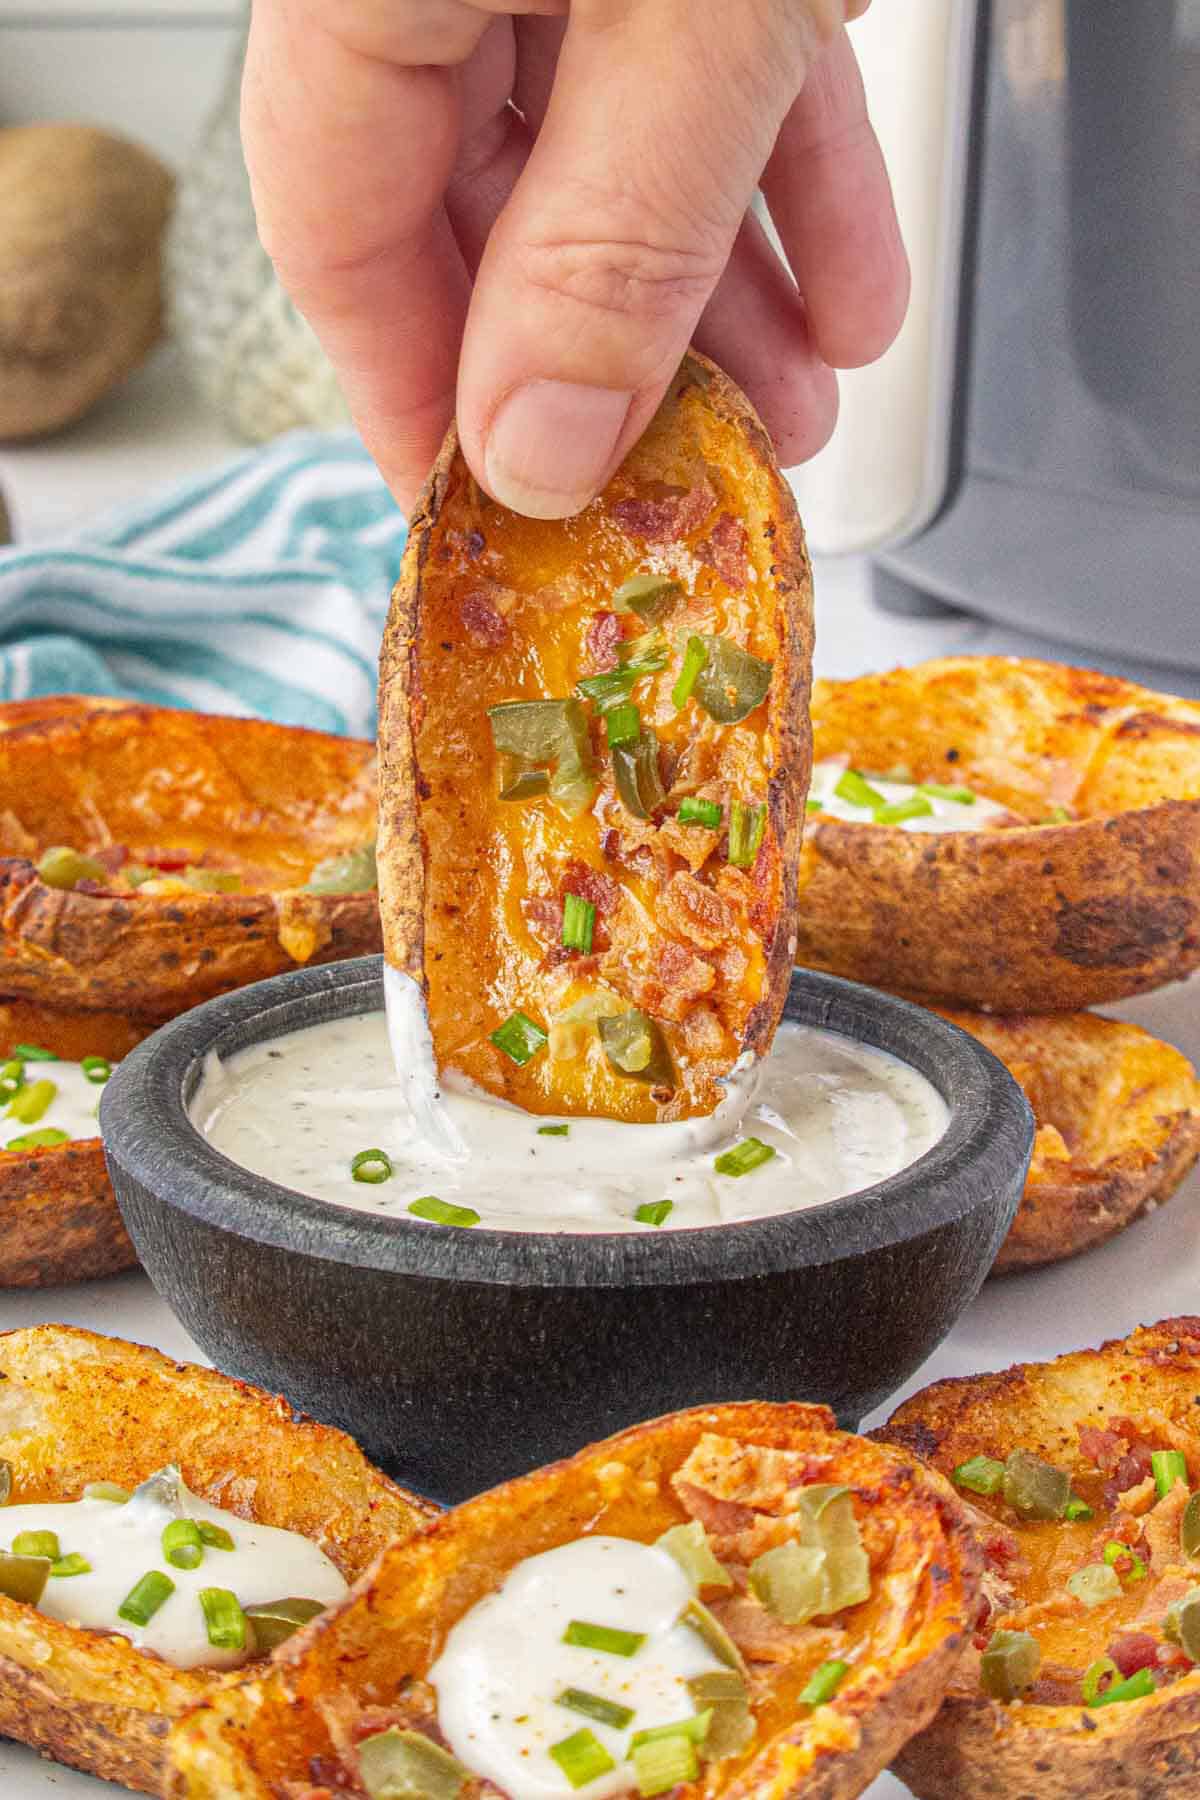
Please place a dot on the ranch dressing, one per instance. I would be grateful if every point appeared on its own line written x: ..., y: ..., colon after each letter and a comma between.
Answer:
x: 838, y: 1115
x: 976, y: 814
x: 73, y: 1108
x: 123, y: 1542
x: 504, y: 1664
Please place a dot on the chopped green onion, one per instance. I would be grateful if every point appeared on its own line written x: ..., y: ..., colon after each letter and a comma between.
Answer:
x: 106, y: 1490
x: 609, y: 1638
x: 97, y: 1069
x: 595, y: 1706
x: 1113, y: 1553
x: 694, y: 811
x: 824, y: 1683
x: 635, y: 1046
x: 519, y: 1038
x: 371, y: 1166
x: 553, y: 1130
x: 33, y: 1053
x: 37, y: 1543
x: 1076, y: 1510
x: 979, y: 1475
x: 211, y: 881
x: 747, y: 828
x: 74, y: 1564
x: 623, y: 725
x: 1095, y: 1585
x: 273, y: 1622
x: 814, y: 806
x: 855, y: 790
x: 654, y: 1212
x: 23, y: 1578
x: 1168, y: 1467
x: 1058, y: 815
x: 61, y: 867
x: 937, y: 790
x: 224, y: 1619
x: 664, y: 1763
x: 895, y: 813
x: 1010, y: 1664
x: 214, y: 1537
x: 442, y: 1212
x: 608, y: 691
x: 689, y: 1546
x: 651, y: 597
x: 750, y: 1154
x: 353, y: 872
x: 31, y: 1103
x: 44, y: 1138
x: 146, y: 1597
x: 1189, y: 1527
x: 694, y: 1728
x: 695, y: 656
x: 582, y: 1757
x: 12, y: 1076
x: 1098, y: 1676
x: 644, y: 655
x: 579, y: 922
x: 1135, y: 1687
x: 182, y: 1544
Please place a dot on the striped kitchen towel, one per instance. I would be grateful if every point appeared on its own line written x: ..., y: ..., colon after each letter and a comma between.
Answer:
x: 260, y: 589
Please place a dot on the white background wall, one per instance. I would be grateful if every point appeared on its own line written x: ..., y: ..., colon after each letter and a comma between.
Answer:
x: 150, y: 68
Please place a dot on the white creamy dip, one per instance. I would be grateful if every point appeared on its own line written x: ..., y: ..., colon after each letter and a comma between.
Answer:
x: 944, y: 814
x: 838, y: 1115
x: 124, y: 1542
x: 504, y: 1665
x: 72, y: 1108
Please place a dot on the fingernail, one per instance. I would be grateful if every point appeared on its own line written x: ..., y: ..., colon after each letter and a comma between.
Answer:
x: 551, y: 444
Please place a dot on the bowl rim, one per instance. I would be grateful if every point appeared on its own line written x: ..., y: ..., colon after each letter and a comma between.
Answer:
x: 980, y: 1160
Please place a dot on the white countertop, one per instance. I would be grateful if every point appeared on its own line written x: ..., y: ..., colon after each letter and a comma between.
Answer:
x: 153, y: 433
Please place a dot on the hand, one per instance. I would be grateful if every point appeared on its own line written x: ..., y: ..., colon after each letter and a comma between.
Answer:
x: 546, y: 200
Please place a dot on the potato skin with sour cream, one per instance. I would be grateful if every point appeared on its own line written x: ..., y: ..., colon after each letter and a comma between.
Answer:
x: 491, y: 608
x: 75, y: 1408
x: 259, y: 1741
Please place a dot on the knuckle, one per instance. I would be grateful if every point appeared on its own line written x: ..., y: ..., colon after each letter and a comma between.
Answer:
x: 626, y: 276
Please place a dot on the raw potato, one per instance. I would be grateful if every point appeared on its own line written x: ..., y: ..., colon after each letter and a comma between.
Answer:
x: 1118, y: 1127
x: 1041, y: 918
x: 978, y: 1748
x: 910, y: 1633
x: 266, y: 801
x: 76, y: 1408
x: 491, y: 608
x: 59, y: 1219
x: 82, y: 215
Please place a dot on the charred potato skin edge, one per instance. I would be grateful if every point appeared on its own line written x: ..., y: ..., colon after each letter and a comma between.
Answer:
x: 87, y: 1698
x: 978, y: 1749
x: 400, y: 707
x: 213, y: 1748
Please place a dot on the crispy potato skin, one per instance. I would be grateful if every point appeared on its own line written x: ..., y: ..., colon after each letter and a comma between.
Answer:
x: 263, y: 1733
x: 1041, y: 918
x: 457, y: 864
x: 59, y: 1219
x: 74, y: 1408
x: 267, y: 800
x: 976, y: 1748
x: 1118, y: 1117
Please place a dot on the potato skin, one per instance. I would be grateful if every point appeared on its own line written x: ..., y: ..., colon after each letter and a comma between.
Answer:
x: 976, y: 1748
x: 82, y: 213
x: 703, y: 412
x: 76, y: 1407
x: 274, y: 798
x: 1118, y: 1115
x: 265, y: 1732
x: 1039, y: 918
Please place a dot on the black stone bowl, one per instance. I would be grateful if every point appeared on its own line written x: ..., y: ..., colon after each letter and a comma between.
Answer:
x: 460, y: 1357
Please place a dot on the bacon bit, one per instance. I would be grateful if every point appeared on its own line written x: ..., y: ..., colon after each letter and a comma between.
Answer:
x: 1057, y: 1685
x: 1121, y: 1529
x: 111, y: 858
x: 600, y: 643
x: 483, y: 621
x: 543, y: 914
x: 167, y: 860
x: 610, y: 844
x: 594, y: 885
x: 763, y: 1638
x: 725, y: 1518
x: 724, y: 551
x: 696, y: 912
x: 702, y: 1032
x: 677, y: 514
x: 1134, y: 1650
x: 1162, y: 1526
x: 1162, y: 1596
x: 1173, y: 1656
x: 1139, y: 1499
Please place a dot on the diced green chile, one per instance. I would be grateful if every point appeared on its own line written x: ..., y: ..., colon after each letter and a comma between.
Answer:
x: 546, y: 734
x: 1182, y: 1624
x: 354, y: 872
x: 723, y: 1692
x: 979, y: 1475
x: 62, y: 867
x: 1095, y: 1584
x: 1010, y: 1664
x: 732, y: 682
x: 637, y: 774
x: 830, y: 1507
x: 274, y: 1621
x: 710, y: 1629
x: 1189, y: 1527
x: 635, y: 1046
x: 790, y: 1581
x: 1035, y: 1489
x: 406, y: 1765
x: 651, y: 597
x: 690, y: 1547
x: 23, y: 1578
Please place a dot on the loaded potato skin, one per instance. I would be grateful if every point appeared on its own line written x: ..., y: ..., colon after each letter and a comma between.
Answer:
x: 594, y: 755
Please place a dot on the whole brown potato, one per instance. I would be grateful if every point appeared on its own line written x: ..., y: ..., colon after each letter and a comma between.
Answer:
x: 81, y: 221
